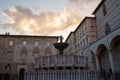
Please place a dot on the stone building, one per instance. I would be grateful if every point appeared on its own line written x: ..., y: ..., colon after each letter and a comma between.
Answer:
x: 97, y: 38
x: 83, y: 36
x: 103, y: 51
x: 17, y: 52
x: 71, y: 47
x: 108, y: 30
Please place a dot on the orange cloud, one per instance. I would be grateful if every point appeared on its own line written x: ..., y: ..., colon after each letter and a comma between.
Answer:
x: 22, y: 19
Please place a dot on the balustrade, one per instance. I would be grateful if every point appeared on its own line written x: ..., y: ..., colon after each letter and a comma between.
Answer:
x: 59, y: 60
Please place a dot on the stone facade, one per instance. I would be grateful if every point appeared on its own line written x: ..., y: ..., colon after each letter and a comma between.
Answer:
x: 107, y: 17
x: 71, y: 47
x: 103, y: 51
x: 83, y: 36
x: 98, y: 39
x: 19, y: 51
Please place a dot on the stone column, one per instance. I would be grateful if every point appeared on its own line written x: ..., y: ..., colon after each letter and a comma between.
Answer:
x: 97, y: 62
x: 56, y: 62
x: 38, y: 62
x: 111, y: 60
x: 72, y: 59
x: 48, y: 60
x: 64, y: 59
x: 92, y: 62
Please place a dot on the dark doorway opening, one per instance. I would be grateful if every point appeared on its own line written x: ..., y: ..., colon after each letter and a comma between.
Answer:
x: 21, y: 74
x: 6, y: 76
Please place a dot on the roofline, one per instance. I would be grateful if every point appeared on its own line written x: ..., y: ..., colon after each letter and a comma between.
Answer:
x: 83, y: 21
x: 29, y: 36
x: 79, y: 26
x: 98, y: 6
x: 69, y: 35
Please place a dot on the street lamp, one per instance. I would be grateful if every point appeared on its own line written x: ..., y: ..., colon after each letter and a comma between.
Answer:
x: 7, y: 75
x: 8, y: 67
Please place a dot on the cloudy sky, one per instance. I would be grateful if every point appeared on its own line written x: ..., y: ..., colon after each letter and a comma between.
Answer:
x: 43, y: 17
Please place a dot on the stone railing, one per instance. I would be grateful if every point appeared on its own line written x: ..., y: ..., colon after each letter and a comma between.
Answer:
x: 59, y: 60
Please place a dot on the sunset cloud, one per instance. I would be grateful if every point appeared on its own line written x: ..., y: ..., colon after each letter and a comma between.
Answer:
x: 22, y: 19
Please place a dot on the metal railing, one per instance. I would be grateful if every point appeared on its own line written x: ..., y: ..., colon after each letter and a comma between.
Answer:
x: 7, y: 76
x: 71, y: 75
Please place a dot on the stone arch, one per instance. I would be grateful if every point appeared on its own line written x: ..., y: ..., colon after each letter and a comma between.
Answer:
x: 23, y: 52
x: 48, y: 51
x: 100, y: 48
x: 21, y: 74
x: 103, y: 57
x: 92, y: 61
x: 36, y: 52
x: 115, y: 50
x: 114, y: 41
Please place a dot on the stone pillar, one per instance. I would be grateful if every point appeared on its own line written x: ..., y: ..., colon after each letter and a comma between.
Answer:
x: 97, y: 62
x: 91, y: 62
x: 56, y: 62
x: 111, y: 60
x: 38, y: 62
x: 64, y: 59
x: 48, y: 60
x: 72, y: 59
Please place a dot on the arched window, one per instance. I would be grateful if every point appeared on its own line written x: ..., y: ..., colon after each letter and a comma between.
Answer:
x: 9, y: 54
x: 107, y: 28
x: 104, y: 9
x: 36, y: 52
x: 23, y: 52
x: 48, y: 51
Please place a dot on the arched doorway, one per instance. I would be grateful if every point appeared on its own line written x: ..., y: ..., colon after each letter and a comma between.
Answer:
x: 103, y: 56
x: 115, y: 47
x: 21, y: 74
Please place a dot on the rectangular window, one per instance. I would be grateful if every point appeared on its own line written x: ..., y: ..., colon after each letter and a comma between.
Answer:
x: 92, y: 28
x: 85, y: 29
x: 48, y: 44
x: 36, y: 43
x: 83, y: 42
x: 9, y: 55
x: 24, y: 43
x: 23, y: 55
x: 10, y: 43
x: 92, y: 22
x: 80, y: 45
x: 87, y: 39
